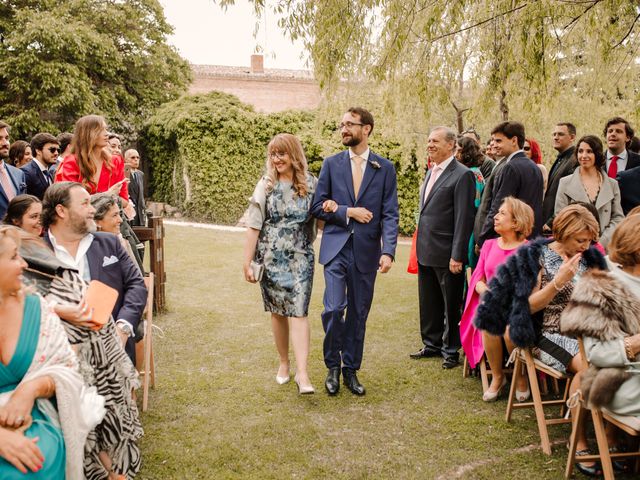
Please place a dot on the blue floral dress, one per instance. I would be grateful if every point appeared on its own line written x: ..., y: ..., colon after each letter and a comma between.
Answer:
x: 285, y: 248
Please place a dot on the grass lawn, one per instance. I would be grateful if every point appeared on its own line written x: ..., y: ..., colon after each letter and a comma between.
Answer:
x: 217, y: 412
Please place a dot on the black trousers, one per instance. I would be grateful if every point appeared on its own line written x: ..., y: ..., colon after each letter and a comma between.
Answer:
x: 440, y: 294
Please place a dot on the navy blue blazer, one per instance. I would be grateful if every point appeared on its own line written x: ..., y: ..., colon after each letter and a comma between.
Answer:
x: 17, y: 178
x: 378, y: 194
x: 629, y: 183
x: 36, y: 182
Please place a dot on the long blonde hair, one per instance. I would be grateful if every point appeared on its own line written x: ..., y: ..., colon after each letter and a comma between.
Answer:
x: 289, y: 144
x: 85, y: 136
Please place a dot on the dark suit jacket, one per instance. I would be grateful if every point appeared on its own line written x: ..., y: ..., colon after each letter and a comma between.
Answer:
x: 446, y: 218
x: 522, y: 179
x: 36, y: 182
x: 136, y: 194
x: 378, y: 194
x: 17, y: 179
x: 629, y: 183
x: 633, y: 160
x: 564, y: 165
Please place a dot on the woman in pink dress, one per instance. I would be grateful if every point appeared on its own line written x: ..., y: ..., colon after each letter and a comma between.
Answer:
x: 513, y: 222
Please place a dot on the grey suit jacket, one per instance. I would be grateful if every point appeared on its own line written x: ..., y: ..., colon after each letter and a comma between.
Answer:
x: 446, y: 217
x: 608, y: 202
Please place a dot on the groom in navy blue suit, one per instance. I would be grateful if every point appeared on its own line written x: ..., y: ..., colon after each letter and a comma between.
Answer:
x: 357, y: 198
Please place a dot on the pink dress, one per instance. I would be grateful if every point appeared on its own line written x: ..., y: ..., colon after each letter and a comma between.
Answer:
x: 491, y: 257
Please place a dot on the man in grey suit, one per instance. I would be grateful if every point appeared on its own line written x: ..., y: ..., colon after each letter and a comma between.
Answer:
x: 136, y: 187
x: 445, y: 225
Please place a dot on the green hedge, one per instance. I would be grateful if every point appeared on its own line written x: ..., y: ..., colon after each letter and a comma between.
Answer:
x: 206, y: 153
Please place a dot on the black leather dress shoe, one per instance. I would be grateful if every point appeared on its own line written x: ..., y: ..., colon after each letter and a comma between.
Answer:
x: 352, y: 383
x: 450, y: 362
x: 425, y: 352
x: 332, y: 383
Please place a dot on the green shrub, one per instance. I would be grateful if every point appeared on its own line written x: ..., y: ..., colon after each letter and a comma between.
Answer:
x: 206, y: 153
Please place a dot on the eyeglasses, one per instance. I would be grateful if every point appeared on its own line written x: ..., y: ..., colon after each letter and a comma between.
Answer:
x: 349, y: 125
x: 526, y: 149
x: 279, y: 155
x: 53, y: 149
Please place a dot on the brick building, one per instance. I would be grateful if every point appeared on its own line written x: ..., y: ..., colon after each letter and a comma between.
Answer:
x: 268, y: 90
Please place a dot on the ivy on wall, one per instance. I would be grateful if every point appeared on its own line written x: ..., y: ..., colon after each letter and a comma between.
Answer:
x: 206, y: 153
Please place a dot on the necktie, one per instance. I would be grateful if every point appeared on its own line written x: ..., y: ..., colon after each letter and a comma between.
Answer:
x: 5, y: 181
x: 613, y: 167
x: 47, y: 176
x: 432, y: 180
x: 357, y: 174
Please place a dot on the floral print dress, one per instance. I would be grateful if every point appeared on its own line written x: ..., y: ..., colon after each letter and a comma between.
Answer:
x: 285, y: 248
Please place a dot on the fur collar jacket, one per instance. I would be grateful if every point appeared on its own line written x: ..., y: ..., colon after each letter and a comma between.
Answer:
x: 603, y: 308
x: 506, y: 303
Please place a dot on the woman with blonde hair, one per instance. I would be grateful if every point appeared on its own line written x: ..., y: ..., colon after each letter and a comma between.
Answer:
x: 279, y: 249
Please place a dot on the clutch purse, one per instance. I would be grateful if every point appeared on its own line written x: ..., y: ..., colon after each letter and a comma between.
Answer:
x: 258, y: 270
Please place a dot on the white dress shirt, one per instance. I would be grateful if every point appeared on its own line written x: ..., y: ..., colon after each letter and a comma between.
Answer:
x: 622, y: 160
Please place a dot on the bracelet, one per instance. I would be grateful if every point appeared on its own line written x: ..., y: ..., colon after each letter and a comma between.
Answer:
x: 555, y: 285
x: 627, y: 349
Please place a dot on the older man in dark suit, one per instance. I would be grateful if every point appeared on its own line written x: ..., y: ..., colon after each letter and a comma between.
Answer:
x: 11, y: 178
x: 67, y: 217
x: 446, y: 221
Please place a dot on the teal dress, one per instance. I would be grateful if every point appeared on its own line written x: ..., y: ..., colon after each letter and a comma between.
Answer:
x: 51, y: 443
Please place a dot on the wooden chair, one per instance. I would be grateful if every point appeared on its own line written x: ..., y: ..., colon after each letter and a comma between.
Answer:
x: 524, y: 359
x: 628, y: 424
x: 144, y: 349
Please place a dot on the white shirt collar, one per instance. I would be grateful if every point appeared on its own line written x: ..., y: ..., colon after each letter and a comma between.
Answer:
x: 514, y: 154
x: 80, y: 261
x: 622, y: 156
x: 42, y: 167
x: 445, y: 164
x: 364, y: 154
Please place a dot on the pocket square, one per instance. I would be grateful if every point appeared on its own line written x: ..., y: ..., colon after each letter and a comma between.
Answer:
x: 106, y: 261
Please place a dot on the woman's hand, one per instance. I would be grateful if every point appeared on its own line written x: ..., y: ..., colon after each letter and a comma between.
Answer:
x: 20, y: 451
x: 80, y: 314
x: 567, y: 270
x: 116, y: 187
x: 248, y: 273
x: 129, y: 211
x: 481, y: 287
x: 17, y: 410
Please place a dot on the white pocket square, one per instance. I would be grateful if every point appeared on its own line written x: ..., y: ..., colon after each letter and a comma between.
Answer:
x: 109, y: 260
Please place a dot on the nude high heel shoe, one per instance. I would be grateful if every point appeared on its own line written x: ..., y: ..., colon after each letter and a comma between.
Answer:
x: 493, y: 396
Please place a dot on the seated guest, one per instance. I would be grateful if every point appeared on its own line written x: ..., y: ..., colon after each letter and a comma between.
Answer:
x: 588, y: 183
x: 19, y: 153
x: 24, y: 211
x: 532, y: 288
x: 513, y: 222
x: 111, y: 448
x: 67, y: 218
x: 532, y: 150
x: 36, y: 173
x: 38, y: 438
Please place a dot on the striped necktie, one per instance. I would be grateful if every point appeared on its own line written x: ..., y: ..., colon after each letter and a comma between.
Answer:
x: 5, y: 181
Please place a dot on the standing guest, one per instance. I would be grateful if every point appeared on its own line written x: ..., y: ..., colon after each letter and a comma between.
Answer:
x: 520, y: 178
x: 25, y: 212
x: 469, y: 154
x: 20, y: 153
x: 357, y: 197
x: 444, y: 228
x: 629, y: 183
x: 280, y: 238
x: 487, y: 164
x: 618, y: 133
x: 564, y: 134
x: 634, y: 145
x: 136, y: 187
x: 513, y: 222
x: 37, y: 173
x: 532, y: 150
x: 589, y: 184
x: 11, y: 178
x: 91, y: 163
x: 115, y: 145
x: 64, y: 140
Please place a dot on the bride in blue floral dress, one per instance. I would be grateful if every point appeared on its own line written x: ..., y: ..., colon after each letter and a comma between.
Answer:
x: 280, y: 238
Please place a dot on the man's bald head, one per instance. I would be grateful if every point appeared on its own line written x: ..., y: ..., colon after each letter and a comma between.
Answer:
x: 132, y: 158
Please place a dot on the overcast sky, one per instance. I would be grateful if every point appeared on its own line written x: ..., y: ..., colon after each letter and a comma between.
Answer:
x: 206, y: 34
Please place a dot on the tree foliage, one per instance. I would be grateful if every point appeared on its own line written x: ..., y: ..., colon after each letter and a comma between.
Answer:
x: 60, y: 59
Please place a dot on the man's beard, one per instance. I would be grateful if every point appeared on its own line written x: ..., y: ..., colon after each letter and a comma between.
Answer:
x: 4, y: 156
x: 82, y: 226
x: 351, y: 141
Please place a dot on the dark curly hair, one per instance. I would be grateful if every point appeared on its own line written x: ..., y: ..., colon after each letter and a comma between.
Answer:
x: 470, y: 152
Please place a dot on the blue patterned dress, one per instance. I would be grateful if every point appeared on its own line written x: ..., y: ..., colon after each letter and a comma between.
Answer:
x: 285, y: 248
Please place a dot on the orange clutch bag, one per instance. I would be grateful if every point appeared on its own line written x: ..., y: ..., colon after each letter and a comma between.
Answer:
x: 101, y: 299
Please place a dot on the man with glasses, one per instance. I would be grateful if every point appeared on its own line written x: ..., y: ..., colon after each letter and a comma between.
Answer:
x: 45, y: 148
x: 11, y: 178
x: 357, y: 198
x: 564, y: 134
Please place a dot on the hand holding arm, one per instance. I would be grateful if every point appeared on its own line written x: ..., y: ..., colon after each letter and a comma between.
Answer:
x: 20, y: 451
x: 18, y: 409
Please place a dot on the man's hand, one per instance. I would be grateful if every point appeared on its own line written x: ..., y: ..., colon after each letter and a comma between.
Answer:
x: 385, y: 263
x: 359, y: 214
x: 329, y: 206
x: 455, y: 267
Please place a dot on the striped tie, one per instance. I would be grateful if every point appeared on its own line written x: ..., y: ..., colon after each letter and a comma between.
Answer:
x: 5, y: 181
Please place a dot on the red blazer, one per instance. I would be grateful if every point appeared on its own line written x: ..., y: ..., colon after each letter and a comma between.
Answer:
x: 70, y: 172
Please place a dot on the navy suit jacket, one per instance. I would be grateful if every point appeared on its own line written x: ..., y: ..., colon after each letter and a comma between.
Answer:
x: 629, y: 183
x: 378, y: 194
x: 17, y: 179
x: 35, y: 180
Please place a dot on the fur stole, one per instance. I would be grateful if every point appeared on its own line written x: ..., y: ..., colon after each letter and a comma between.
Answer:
x: 506, y: 303
x: 601, y: 307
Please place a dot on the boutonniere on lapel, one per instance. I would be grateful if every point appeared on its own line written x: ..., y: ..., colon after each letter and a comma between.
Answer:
x: 374, y: 164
